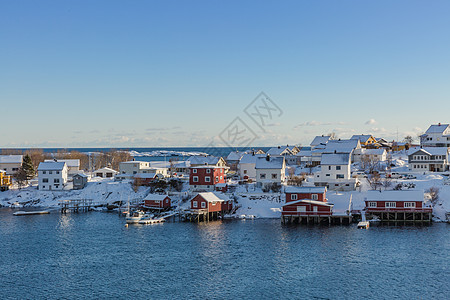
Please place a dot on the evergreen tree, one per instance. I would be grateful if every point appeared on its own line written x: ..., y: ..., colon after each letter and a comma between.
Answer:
x: 27, y: 166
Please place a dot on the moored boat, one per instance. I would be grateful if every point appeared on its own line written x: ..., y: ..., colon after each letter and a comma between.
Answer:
x: 28, y: 213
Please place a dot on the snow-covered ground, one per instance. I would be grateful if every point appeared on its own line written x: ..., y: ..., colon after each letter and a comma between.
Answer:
x: 251, y: 200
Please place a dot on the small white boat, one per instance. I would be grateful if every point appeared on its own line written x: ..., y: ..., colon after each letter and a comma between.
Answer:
x: 363, y: 225
x: 28, y: 213
x: 247, y: 217
x: 136, y: 216
x: 151, y: 221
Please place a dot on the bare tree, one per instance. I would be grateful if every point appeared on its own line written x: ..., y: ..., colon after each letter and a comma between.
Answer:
x: 434, y: 194
x: 369, y: 163
x: 374, y: 180
x: 387, y: 182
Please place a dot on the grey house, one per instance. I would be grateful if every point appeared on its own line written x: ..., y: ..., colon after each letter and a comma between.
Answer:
x: 79, y: 181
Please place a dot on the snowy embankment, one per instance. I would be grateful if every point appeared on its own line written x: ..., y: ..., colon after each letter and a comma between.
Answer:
x: 100, y: 191
x: 160, y: 153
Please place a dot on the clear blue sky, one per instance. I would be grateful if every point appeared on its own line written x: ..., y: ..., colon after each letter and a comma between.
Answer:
x: 176, y: 73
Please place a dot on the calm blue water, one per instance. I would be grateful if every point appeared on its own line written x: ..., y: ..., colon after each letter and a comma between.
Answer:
x: 93, y: 255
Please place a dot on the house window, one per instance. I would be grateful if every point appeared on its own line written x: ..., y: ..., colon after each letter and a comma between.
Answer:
x: 57, y: 172
x: 339, y: 176
x: 167, y: 200
x: 194, y: 171
x: 301, y: 208
x: 221, y: 177
x: 410, y: 204
x: 207, y: 179
x: 43, y: 186
x: 15, y: 169
x: 203, y: 204
x: 294, y: 197
x: 245, y: 171
x: 208, y: 171
x: 314, y: 197
x: 56, y: 180
x: 43, y: 172
x: 45, y: 180
x: 262, y: 176
x: 56, y: 185
x: 328, y: 175
x: 329, y: 167
x: 274, y: 176
x: 50, y: 172
x: 390, y: 204
x: 338, y: 167
x: 372, y: 204
x: 195, y: 179
x: 194, y: 204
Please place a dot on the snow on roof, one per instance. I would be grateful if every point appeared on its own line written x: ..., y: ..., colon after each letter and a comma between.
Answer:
x: 305, y: 189
x: 429, y: 150
x: 51, y: 166
x: 271, y: 163
x: 11, y: 159
x: 335, y: 159
x: 221, y: 185
x: 250, y: 158
x: 133, y: 162
x: 81, y: 175
x: 361, y: 137
x: 439, y: 128
x: 69, y: 162
x: 210, y: 197
x: 280, y: 150
x: 304, y: 152
x: 341, y: 146
x: 234, y: 155
x: 156, y: 197
x: 106, y: 170
x: 204, y: 160
x: 320, y: 140
x: 364, y: 151
x: 308, y: 201
x: 394, y: 196
x: 146, y: 175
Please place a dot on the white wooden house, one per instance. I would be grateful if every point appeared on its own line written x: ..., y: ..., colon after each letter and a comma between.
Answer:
x: 335, y: 172
x: 247, y: 166
x: 52, y: 176
x: 432, y: 159
x: 270, y: 170
x: 436, y: 136
x: 10, y: 163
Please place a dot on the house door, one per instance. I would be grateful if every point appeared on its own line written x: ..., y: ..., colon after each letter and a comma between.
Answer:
x: 431, y: 167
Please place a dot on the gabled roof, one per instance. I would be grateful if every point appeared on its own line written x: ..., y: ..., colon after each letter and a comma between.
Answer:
x: 429, y: 150
x: 250, y: 158
x: 305, y: 189
x: 69, y: 162
x: 341, y: 146
x: 234, y: 155
x: 51, y: 166
x: 210, y: 197
x: 106, y: 170
x: 11, y: 159
x: 309, y: 202
x: 156, y: 197
x: 269, y: 162
x: 394, y: 196
x: 81, y: 175
x: 335, y: 159
x: 320, y: 139
x: 362, y: 137
x: 439, y: 128
x: 280, y: 150
x: 204, y: 160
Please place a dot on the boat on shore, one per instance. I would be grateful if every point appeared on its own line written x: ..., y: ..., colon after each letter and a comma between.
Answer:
x: 29, y: 213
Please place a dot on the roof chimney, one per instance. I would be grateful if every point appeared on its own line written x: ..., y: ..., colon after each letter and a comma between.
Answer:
x: 268, y: 157
x: 439, y: 124
x: 279, y: 147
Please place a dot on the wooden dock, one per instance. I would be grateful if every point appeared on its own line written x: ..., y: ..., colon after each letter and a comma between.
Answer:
x: 319, y: 219
x: 77, y: 205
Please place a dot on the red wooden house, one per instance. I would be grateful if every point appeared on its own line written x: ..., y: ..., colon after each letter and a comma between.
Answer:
x: 205, y: 178
x: 208, y: 202
x: 306, y: 201
x: 158, y: 202
x: 396, y: 201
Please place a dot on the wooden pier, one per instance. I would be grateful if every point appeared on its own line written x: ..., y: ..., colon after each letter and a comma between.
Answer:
x: 77, y: 205
x: 310, y: 220
x: 407, y: 217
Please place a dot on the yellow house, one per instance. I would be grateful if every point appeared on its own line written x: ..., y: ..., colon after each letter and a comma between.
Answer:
x: 364, y: 139
x: 5, y: 181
